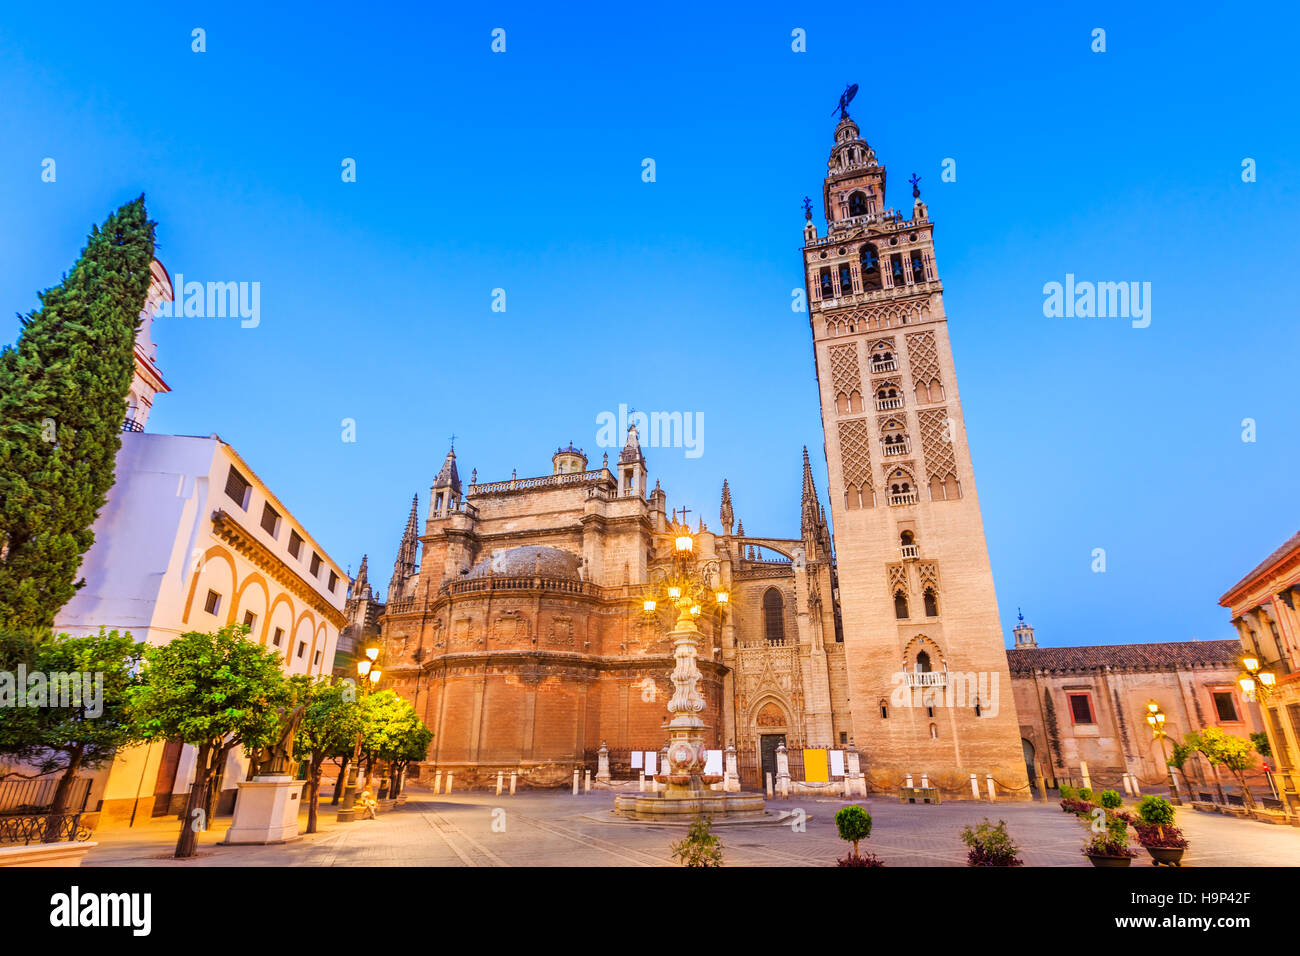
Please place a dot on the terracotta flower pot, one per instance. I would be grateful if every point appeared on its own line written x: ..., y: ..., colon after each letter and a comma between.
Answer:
x: 1098, y: 860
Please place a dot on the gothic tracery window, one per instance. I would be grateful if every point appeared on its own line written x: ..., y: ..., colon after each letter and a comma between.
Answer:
x: 774, y: 616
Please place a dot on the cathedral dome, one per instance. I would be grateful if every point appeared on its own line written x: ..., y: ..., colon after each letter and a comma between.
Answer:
x: 528, y: 559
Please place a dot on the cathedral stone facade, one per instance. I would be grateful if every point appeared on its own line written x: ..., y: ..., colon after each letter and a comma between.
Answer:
x: 521, y: 636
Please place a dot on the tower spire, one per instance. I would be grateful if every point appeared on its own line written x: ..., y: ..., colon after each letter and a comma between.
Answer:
x: 404, y: 566
x: 725, y: 513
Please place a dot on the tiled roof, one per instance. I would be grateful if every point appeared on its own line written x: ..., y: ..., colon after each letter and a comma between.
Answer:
x: 1155, y: 656
x: 1292, y: 543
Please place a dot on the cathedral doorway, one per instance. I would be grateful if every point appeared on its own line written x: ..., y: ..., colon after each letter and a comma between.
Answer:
x: 1030, y: 763
x: 767, y: 753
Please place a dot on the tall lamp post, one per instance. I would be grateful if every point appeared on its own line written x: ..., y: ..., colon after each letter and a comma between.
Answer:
x: 1256, y: 686
x: 1156, y: 718
x: 368, y: 672
x: 686, y: 584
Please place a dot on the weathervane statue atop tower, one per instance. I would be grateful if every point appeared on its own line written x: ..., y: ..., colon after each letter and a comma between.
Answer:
x: 850, y: 91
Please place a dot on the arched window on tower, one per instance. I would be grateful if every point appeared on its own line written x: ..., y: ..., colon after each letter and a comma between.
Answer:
x: 774, y: 616
x: 900, y: 605
x: 918, y: 266
x: 931, y: 603
x: 827, y: 286
x: 858, y: 204
x: 846, y: 279
x: 869, y: 267
x: 923, y: 663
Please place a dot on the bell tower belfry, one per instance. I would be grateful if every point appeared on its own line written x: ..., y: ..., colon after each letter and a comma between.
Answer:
x: 928, y: 682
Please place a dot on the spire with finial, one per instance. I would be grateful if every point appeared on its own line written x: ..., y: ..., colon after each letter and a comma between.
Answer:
x: 740, y: 529
x: 448, y: 476
x: 360, y: 587
x: 725, y: 512
x: 404, y: 566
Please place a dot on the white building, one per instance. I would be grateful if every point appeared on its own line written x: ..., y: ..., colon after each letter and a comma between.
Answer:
x: 191, y: 540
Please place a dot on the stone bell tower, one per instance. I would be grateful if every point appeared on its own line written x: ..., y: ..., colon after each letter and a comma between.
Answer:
x: 927, y: 674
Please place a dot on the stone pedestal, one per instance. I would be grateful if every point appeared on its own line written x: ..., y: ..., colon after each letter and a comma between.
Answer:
x: 266, y: 811
x: 603, y: 778
x: 732, y: 771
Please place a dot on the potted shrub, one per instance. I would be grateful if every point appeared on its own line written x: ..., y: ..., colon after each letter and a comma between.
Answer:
x: 854, y: 825
x: 990, y: 845
x: 1111, y: 800
x: 701, y: 847
x: 1108, y: 845
x: 1157, y: 833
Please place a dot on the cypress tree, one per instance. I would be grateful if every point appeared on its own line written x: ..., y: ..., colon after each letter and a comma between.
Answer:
x: 63, y: 391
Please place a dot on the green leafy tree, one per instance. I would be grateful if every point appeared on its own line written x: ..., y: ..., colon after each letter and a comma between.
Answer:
x: 19, y: 726
x: 89, y: 722
x: 386, y: 720
x: 701, y: 846
x: 1178, y: 757
x: 1227, y: 750
x: 328, y: 730
x: 854, y: 825
x: 1259, y: 740
x: 63, y: 391
x: 414, y: 746
x: 214, y: 691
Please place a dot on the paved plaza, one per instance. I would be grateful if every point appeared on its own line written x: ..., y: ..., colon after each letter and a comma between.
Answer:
x: 558, y: 829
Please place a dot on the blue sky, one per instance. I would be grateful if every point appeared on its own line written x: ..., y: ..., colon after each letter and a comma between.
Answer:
x: 522, y: 171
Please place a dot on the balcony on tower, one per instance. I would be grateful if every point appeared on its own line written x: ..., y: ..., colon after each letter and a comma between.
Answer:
x: 927, y: 678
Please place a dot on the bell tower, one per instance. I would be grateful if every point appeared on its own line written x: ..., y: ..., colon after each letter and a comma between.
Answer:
x: 929, y: 687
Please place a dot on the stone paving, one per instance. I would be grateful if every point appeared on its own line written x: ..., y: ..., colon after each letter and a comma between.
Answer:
x: 558, y: 829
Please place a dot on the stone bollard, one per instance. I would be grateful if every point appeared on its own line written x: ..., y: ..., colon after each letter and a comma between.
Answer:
x: 437, y: 782
x: 1127, y: 787
x: 500, y: 780
x: 602, y: 766
x: 783, y: 770
x: 586, y: 782
x: 1083, y: 770
x: 641, y: 782
x: 513, y: 774
x: 732, y: 784
x: 975, y: 786
x: 449, y: 781
x: 1137, y: 790
x: 993, y: 795
x: 1042, y: 787
x: 769, y: 786
x: 575, y: 782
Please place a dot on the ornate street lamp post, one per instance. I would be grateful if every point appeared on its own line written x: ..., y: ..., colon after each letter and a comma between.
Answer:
x: 690, y: 586
x: 687, y: 585
x: 368, y: 672
x: 1156, y: 718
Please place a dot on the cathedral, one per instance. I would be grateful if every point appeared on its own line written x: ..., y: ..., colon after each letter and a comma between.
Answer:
x: 515, y: 619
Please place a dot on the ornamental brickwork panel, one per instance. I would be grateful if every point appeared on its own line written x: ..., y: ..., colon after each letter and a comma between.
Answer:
x: 855, y: 453
x: 846, y: 376
x: 936, y: 442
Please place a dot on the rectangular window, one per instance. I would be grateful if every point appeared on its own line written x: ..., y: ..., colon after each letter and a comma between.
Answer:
x: 844, y: 738
x: 827, y: 284
x: 249, y: 620
x: 238, y: 488
x: 213, y: 603
x: 315, y: 564
x: 316, y: 660
x: 918, y: 266
x: 302, y: 648
x: 1226, y: 706
x: 270, y: 520
x: 295, y: 543
x: 334, y: 580
x: 1081, y: 708
x: 278, y: 637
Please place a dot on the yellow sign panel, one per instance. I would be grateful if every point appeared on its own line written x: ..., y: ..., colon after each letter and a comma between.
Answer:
x: 814, y: 767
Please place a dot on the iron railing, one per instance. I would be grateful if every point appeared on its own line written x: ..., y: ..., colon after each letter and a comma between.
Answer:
x: 32, y: 796
x: 43, y: 828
